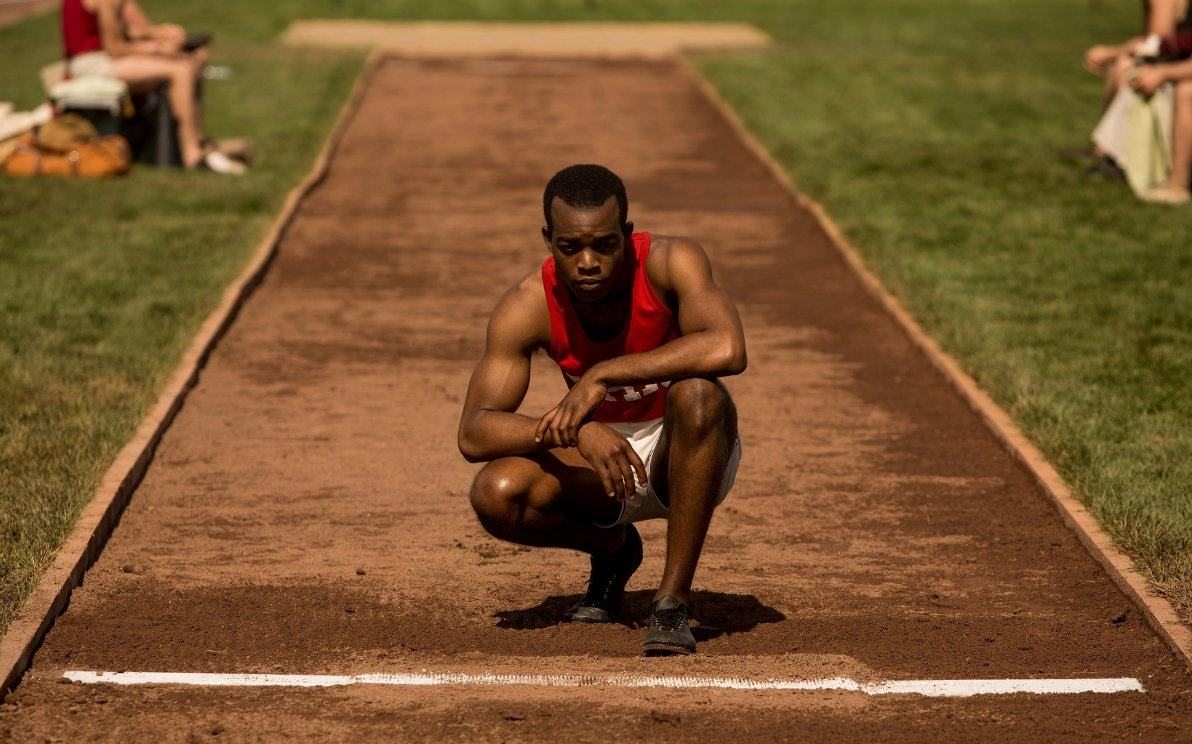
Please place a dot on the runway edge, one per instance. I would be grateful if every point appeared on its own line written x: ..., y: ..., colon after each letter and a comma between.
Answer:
x: 100, y: 517
x: 1159, y: 612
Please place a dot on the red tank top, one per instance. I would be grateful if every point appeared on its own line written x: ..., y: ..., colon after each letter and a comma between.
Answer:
x: 651, y: 324
x: 80, y: 29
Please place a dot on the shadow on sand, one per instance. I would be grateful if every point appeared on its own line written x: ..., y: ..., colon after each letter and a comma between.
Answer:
x: 715, y: 613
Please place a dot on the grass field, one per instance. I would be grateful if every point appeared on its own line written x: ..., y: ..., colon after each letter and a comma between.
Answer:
x: 928, y: 129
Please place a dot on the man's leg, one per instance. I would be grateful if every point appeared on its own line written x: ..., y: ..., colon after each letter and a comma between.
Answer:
x: 144, y: 70
x: 1181, y: 139
x: 198, y: 60
x: 555, y: 500
x: 1175, y: 190
x: 698, y: 435
x: 551, y: 500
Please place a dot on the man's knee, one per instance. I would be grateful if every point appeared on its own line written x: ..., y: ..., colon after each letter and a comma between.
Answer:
x: 499, y: 500
x: 182, y: 74
x: 699, y: 407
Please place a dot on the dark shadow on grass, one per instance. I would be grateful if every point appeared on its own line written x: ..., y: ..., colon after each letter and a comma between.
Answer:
x: 716, y: 613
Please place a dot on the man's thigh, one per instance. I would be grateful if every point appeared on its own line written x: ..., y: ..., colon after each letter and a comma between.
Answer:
x: 144, y: 71
x: 562, y: 480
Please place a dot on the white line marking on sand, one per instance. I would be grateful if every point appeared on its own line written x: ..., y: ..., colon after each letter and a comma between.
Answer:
x: 927, y: 687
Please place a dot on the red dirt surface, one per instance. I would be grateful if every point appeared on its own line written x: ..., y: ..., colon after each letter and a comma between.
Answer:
x: 876, y: 529
x: 14, y: 11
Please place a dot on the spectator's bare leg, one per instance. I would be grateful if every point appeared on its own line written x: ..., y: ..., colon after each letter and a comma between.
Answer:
x: 143, y: 72
x: 198, y: 60
x: 1181, y: 138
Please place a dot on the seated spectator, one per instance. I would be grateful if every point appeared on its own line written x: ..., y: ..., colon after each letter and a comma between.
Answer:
x: 115, y: 38
x: 1118, y: 63
x: 1148, y: 80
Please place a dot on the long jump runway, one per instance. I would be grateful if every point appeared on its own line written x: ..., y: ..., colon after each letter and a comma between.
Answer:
x: 302, y: 555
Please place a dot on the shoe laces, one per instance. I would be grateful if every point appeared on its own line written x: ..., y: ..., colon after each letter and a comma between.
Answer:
x: 671, y: 619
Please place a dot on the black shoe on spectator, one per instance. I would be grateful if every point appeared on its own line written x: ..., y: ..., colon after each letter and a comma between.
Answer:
x: 1104, y: 167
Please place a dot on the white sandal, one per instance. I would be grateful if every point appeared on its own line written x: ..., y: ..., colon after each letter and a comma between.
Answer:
x: 220, y: 163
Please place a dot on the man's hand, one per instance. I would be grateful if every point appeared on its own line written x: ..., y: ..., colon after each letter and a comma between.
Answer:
x: 166, y: 47
x: 170, y: 32
x: 613, y: 458
x: 1097, y: 58
x: 559, y: 427
x: 1146, y: 80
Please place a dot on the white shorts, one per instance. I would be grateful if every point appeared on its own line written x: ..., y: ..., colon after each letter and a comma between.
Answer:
x: 644, y: 503
x: 88, y: 64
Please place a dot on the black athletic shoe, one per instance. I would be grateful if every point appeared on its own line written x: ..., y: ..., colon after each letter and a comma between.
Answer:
x: 667, y: 632
x: 606, y: 584
x: 1104, y: 167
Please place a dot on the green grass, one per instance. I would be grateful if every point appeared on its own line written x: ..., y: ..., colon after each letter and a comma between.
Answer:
x: 103, y: 284
x: 927, y: 127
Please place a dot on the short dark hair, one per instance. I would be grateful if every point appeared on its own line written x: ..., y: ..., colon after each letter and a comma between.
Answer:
x: 585, y: 186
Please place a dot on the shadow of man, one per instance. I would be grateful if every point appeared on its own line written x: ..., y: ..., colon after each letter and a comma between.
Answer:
x: 715, y: 613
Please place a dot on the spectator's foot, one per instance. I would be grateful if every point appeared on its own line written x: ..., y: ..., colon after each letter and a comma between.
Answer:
x: 1104, y: 167
x: 236, y: 148
x: 1167, y: 195
x: 218, y: 162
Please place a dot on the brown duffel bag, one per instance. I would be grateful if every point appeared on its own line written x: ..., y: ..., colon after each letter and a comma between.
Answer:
x: 64, y: 132
x: 97, y: 158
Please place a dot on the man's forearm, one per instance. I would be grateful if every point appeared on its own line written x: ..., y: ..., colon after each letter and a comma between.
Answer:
x: 491, y: 434
x: 1176, y: 71
x: 700, y: 354
x: 139, y: 33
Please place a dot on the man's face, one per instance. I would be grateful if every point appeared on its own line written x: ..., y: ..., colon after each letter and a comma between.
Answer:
x: 589, y: 248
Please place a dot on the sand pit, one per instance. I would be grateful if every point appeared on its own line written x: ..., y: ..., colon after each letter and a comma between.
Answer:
x: 493, y: 39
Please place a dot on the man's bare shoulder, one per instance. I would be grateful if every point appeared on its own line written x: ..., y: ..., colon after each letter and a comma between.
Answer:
x: 521, y: 313
x: 669, y: 253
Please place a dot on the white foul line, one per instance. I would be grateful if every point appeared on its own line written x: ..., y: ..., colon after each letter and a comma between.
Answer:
x: 927, y: 687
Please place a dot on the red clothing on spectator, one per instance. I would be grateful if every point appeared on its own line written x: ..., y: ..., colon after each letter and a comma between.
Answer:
x: 1178, y: 46
x: 80, y: 29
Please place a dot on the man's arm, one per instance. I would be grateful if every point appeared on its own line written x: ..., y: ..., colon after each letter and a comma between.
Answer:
x: 1161, y: 24
x: 1147, y: 78
x: 112, y: 31
x: 713, y: 340
x: 140, y: 26
x: 1163, y: 17
x: 712, y: 344
x: 489, y: 428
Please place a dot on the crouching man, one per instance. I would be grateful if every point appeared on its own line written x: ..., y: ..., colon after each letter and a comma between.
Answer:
x: 642, y: 334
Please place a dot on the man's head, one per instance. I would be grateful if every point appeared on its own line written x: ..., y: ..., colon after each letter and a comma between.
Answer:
x: 587, y: 229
